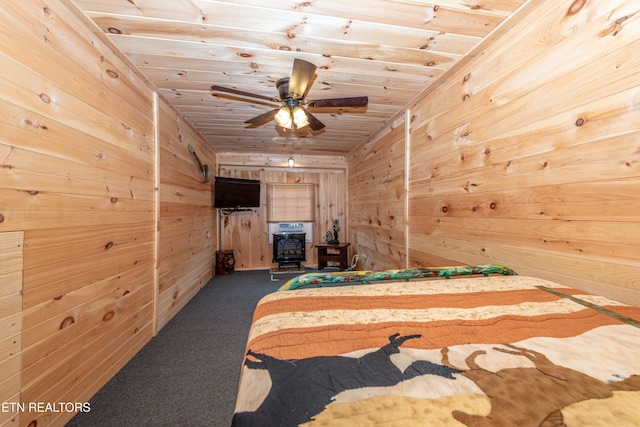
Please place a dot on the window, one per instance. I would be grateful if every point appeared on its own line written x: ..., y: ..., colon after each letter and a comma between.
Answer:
x: 291, y: 202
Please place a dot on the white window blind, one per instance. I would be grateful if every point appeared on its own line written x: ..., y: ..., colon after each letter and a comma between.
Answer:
x: 291, y: 202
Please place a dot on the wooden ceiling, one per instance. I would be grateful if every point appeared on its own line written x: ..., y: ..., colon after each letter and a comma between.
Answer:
x: 388, y: 50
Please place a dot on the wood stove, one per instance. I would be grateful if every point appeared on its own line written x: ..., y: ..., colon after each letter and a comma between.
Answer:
x: 289, y: 249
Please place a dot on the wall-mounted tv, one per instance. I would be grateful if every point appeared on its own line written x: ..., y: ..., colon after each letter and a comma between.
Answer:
x: 236, y: 193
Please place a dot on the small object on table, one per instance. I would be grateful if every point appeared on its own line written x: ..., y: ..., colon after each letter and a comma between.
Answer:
x: 334, y: 239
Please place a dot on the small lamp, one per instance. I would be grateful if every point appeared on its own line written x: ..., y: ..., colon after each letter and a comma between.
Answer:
x: 291, y: 162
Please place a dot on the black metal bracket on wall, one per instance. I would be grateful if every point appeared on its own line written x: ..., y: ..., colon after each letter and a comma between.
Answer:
x: 204, y: 169
x: 229, y: 211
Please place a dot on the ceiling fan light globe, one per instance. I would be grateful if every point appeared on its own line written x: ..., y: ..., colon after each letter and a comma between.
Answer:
x: 283, y: 117
x: 300, y: 117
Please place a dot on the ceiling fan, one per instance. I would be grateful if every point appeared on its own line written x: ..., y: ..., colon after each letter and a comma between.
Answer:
x: 292, y: 111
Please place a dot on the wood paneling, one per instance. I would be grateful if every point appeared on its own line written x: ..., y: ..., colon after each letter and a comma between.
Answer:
x: 77, y: 153
x: 77, y: 150
x: 187, y: 225
x: 527, y: 154
x: 387, y: 50
x: 247, y: 232
x: 11, y: 267
x: 112, y: 247
x: 377, y: 198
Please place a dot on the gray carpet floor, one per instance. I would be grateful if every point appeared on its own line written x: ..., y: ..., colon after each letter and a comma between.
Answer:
x: 188, y: 374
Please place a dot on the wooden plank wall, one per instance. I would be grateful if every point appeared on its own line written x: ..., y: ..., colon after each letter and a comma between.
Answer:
x: 79, y: 178
x: 11, y: 266
x: 377, y: 198
x: 247, y: 232
x: 187, y: 222
x: 77, y: 152
x: 528, y: 154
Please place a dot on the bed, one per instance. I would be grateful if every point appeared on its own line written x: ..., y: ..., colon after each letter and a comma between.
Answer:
x: 409, y: 348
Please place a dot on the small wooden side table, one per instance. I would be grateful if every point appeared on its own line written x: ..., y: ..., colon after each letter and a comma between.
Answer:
x: 338, y: 254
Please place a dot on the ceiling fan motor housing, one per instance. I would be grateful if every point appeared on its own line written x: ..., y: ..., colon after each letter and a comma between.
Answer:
x: 283, y: 88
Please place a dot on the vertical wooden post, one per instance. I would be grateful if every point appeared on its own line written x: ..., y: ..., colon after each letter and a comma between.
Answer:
x: 156, y: 214
x: 407, y: 157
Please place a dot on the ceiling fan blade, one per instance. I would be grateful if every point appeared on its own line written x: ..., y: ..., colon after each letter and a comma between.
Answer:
x: 353, y: 101
x: 263, y: 117
x: 301, y: 75
x: 314, y: 123
x: 216, y: 88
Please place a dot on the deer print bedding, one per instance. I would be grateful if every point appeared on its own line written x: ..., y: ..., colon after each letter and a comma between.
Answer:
x: 480, y: 351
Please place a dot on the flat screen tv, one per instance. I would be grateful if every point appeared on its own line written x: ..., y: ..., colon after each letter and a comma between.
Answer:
x: 236, y: 193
